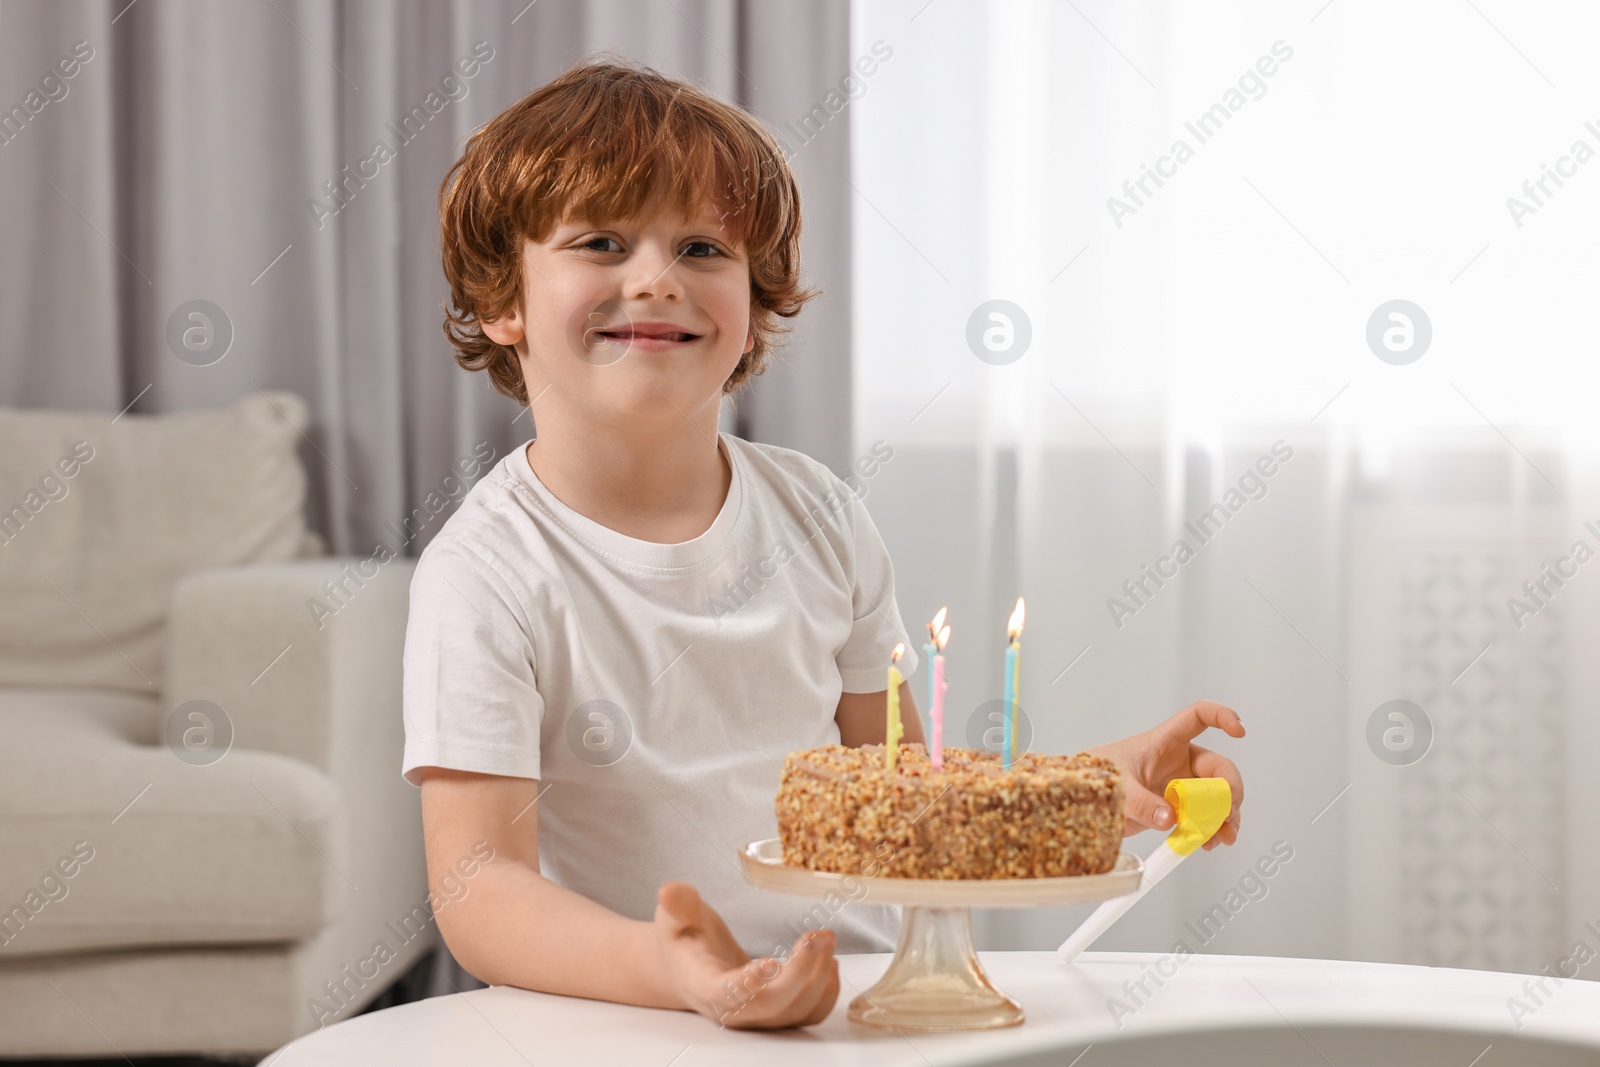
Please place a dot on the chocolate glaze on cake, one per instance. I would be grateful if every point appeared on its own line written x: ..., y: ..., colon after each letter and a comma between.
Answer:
x: 1050, y: 816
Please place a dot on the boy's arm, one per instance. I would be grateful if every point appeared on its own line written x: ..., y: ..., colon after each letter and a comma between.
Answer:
x: 863, y: 718
x: 513, y: 926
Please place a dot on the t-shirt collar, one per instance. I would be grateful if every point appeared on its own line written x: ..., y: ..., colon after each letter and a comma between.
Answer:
x: 650, y: 554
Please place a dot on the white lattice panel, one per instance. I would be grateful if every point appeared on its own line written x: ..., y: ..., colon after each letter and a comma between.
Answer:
x: 1457, y: 858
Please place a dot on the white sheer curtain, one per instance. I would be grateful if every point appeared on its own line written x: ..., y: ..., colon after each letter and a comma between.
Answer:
x: 1333, y: 164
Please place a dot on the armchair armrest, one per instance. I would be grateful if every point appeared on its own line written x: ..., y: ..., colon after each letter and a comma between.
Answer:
x: 304, y: 657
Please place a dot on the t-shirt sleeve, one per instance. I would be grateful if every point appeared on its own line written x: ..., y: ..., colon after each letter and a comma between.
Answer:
x: 470, y: 696
x: 864, y: 659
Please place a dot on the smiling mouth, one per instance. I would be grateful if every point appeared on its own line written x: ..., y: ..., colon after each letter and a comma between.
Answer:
x: 629, y: 336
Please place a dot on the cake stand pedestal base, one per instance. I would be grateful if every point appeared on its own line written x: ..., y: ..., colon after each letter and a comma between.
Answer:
x: 935, y: 981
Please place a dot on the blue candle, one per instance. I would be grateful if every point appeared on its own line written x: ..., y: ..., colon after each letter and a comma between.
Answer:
x: 1008, y: 743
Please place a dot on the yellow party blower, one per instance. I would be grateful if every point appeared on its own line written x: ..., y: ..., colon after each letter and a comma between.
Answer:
x: 1201, y: 805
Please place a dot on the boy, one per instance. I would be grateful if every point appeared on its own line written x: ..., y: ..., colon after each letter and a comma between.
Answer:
x: 629, y: 623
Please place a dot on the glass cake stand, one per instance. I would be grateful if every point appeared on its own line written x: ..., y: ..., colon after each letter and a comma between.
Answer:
x: 935, y: 981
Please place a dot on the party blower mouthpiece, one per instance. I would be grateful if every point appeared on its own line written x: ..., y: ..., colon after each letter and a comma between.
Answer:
x: 1201, y: 805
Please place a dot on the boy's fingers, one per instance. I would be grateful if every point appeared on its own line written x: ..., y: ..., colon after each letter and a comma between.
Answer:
x: 1225, y: 835
x: 812, y: 980
x: 814, y: 954
x: 1151, y: 809
x: 776, y: 998
x: 826, y: 981
x: 808, y: 965
x: 827, y: 996
x: 686, y: 914
x: 1195, y: 719
x: 712, y: 923
x: 680, y: 902
x: 1207, y: 764
x: 1144, y: 806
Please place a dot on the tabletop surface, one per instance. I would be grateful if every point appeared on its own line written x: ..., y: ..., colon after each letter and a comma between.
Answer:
x: 1069, y: 1006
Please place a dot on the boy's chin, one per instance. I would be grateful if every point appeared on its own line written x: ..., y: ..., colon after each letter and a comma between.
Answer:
x: 665, y: 401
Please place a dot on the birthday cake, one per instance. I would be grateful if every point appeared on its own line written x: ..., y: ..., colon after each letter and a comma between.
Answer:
x: 1049, y: 816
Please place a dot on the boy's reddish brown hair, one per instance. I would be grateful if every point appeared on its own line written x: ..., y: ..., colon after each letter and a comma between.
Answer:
x: 600, y: 142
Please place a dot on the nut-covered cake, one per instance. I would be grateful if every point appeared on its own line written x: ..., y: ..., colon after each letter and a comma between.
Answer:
x: 1049, y: 816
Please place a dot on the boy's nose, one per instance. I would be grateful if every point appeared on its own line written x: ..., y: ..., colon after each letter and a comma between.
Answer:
x: 654, y: 274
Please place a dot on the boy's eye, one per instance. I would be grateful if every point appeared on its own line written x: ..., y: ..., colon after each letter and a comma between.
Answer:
x: 713, y: 250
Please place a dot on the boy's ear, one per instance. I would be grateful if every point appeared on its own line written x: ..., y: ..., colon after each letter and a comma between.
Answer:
x: 749, y: 340
x: 504, y: 331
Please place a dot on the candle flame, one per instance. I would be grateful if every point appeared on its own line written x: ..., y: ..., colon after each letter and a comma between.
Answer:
x: 938, y: 621
x: 1014, y: 626
x: 895, y: 655
x: 943, y: 638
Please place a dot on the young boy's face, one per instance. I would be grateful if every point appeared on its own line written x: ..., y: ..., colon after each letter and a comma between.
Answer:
x: 597, y: 298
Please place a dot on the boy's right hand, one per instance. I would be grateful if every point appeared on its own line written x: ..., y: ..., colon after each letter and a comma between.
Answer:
x: 716, y: 978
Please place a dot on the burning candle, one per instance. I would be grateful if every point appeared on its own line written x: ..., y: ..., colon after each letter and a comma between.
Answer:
x: 939, y: 686
x: 1008, y: 744
x: 929, y: 650
x: 893, y: 731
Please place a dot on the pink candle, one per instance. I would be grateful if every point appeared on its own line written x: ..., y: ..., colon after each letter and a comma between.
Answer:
x: 937, y: 712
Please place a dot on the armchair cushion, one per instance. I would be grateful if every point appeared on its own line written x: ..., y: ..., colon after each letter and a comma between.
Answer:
x: 109, y: 840
x: 100, y: 517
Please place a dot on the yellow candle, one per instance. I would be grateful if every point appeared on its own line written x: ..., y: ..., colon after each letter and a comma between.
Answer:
x: 1016, y: 696
x: 893, y: 731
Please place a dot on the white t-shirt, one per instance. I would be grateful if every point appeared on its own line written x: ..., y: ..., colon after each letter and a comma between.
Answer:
x: 655, y: 689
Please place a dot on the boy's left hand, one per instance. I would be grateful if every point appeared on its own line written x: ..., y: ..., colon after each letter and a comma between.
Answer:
x: 1152, y: 759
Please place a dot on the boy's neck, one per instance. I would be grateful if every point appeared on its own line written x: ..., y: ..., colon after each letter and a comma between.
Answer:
x: 666, y: 489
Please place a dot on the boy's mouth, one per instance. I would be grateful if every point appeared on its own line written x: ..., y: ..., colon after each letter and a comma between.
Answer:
x: 649, y: 335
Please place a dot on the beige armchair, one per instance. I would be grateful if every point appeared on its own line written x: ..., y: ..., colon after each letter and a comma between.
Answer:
x: 206, y: 846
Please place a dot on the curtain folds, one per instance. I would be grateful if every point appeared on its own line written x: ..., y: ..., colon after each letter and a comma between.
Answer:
x: 228, y: 153
x: 222, y: 161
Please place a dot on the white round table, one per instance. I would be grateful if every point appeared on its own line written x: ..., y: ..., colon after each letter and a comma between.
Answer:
x: 1133, y: 1008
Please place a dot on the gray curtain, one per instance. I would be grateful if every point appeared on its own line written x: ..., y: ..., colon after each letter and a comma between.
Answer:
x: 184, y: 160
x: 188, y: 156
